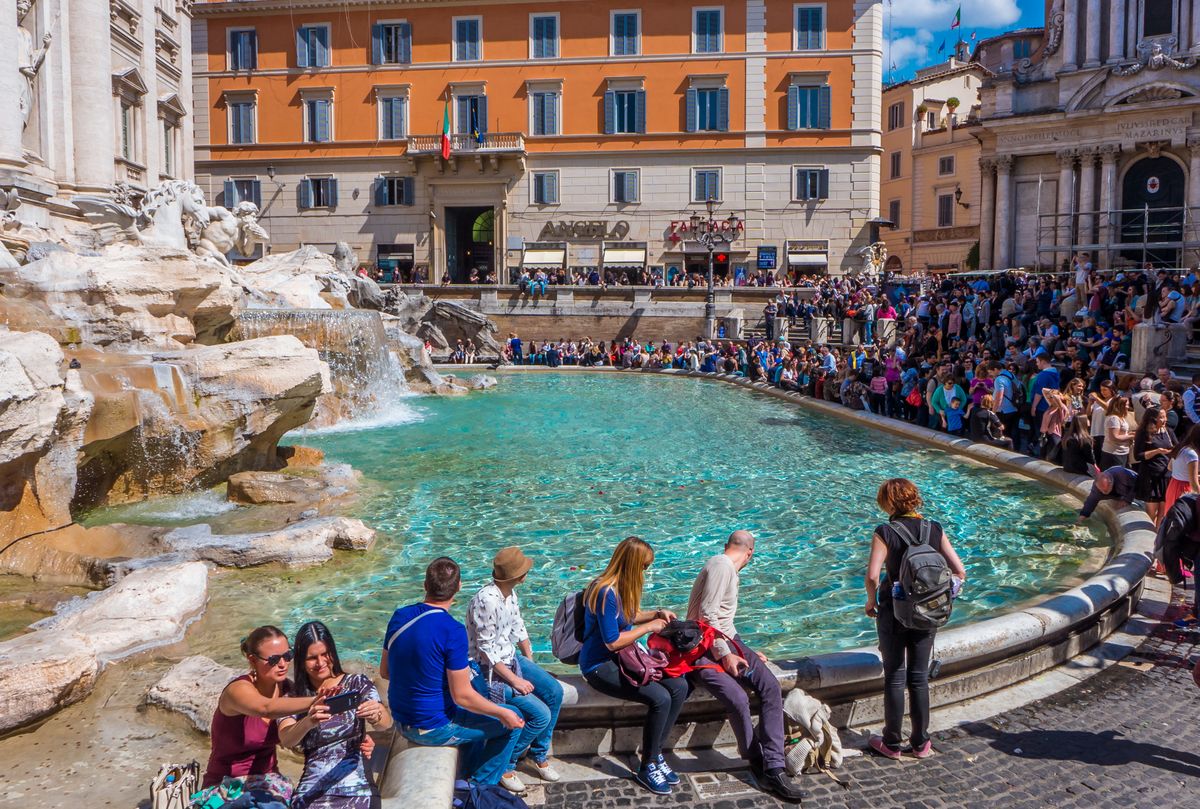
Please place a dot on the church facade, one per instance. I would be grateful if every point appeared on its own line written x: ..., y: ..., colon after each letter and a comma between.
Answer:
x: 97, y: 100
x: 1090, y: 137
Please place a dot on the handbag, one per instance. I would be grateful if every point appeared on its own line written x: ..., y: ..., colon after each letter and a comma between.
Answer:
x: 914, y: 397
x: 640, y: 666
x: 172, y: 788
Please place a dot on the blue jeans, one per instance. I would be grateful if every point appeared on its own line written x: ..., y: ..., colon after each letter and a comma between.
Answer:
x: 487, y: 744
x: 539, y: 709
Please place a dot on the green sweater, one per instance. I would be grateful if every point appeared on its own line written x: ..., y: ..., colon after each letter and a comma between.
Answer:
x: 940, y: 401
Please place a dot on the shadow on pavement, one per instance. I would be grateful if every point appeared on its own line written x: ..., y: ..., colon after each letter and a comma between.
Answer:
x: 1107, y: 748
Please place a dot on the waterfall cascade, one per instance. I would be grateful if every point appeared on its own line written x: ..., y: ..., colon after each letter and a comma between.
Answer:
x: 367, y: 377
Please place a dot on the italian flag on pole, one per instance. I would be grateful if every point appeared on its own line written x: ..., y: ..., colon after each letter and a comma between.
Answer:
x: 957, y: 19
x: 446, y: 132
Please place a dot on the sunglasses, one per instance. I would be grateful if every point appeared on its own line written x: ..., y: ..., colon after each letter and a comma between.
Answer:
x: 274, y: 660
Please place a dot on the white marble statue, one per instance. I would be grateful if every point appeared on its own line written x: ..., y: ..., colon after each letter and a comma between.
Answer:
x: 29, y: 58
x: 873, y: 256
x: 158, y: 222
x: 230, y: 230
x: 9, y: 202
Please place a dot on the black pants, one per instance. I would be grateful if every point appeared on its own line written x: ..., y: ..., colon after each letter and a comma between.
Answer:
x: 1012, y: 426
x: 906, y: 655
x: 664, y: 699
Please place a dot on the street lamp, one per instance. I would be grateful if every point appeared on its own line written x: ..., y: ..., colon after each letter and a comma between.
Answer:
x: 709, y: 237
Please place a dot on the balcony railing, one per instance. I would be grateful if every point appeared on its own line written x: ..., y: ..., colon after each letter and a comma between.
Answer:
x: 489, y: 142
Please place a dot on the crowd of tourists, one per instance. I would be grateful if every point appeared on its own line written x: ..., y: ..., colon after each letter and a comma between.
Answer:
x: 472, y: 683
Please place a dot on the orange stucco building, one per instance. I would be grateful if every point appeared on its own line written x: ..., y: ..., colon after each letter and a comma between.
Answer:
x: 582, y: 133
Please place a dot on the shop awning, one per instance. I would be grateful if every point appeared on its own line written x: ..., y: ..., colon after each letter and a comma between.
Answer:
x: 624, y: 258
x: 808, y: 259
x: 544, y: 258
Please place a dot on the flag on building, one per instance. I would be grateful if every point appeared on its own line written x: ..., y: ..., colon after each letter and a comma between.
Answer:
x: 973, y: 36
x: 957, y: 19
x: 942, y: 47
x: 476, y: 132
x: 446, y: 131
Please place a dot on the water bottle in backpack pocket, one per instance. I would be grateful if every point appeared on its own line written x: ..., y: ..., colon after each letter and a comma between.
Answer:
x: 924, y: 581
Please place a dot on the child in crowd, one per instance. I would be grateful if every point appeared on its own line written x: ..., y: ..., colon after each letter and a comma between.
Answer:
x: 955, y: 416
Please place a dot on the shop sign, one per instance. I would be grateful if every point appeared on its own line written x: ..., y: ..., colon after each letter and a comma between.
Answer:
x: 597, y: 229
x: 768, y: 255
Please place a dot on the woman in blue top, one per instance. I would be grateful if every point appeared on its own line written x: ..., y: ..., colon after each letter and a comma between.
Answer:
x: 613, y: 619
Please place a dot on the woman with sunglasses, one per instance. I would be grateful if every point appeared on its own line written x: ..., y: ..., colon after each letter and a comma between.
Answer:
x: 334, y: 774
x: 244, y: 728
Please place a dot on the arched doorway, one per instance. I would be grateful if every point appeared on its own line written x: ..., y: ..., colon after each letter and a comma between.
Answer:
x: 470, y: 243
x: 1152, y: 198
x: 894, y: 265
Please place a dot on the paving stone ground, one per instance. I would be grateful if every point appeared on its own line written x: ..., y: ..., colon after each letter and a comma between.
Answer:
x: 1126, y: 738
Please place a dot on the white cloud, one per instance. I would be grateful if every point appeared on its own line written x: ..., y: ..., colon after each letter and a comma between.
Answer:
x: 902, y: 51
x: 938, y: 14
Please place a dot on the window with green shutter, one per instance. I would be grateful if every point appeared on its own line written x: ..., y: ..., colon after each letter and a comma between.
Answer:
x: 707, y: 109
x: 809, y: 107
x: 394, y: 190
x: 241, y: 122
x: 545, y: 113
x: 392, y: 115
x: 624, y: 112
x: 320, y: 125
x: 812, y: 184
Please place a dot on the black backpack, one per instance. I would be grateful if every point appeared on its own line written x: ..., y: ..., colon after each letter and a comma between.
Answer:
x: 924, y: 578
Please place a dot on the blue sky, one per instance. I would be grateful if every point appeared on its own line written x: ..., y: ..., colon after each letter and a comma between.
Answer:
x: 917, y: 28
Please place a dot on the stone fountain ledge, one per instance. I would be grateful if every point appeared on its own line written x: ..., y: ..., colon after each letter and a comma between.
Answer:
x: 57, y: 664
x: 977, y: 659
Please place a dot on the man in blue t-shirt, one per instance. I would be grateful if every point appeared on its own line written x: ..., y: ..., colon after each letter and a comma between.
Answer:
x: 430, y: 692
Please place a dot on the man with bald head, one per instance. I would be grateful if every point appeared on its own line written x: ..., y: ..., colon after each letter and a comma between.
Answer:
x: 714, y: 600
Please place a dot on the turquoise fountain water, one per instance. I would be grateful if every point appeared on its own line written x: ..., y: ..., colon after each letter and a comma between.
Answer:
x: 565, y: 465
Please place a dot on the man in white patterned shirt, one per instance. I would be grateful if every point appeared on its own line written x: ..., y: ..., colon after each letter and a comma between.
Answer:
x: 499, y: 644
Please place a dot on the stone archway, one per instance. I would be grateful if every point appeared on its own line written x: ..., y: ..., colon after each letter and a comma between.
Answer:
x: 1153, y: 193
x: 893, y: 265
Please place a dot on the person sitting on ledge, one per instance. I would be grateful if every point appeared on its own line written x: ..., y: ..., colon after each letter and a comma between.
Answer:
x: 501, y: 650
x: 1115, y: 483
x: 714, y: 600
x: 245, y: 732
x: 334, y: 773
x: 612, y: 620
x: 430, y: 691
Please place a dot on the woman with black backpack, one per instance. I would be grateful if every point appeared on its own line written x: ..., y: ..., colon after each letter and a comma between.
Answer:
x: 908, y: 608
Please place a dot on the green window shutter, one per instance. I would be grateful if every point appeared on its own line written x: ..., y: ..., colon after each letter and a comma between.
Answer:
x: 723, y: 109
x: 692, y: 102
x: 793, y: 108
x: 256, y: 193
x: 824, y: 107
x: 304, y: 188
x: 333, y: 192
x: 230, y: 194
x: 639, y: 100
x: 823, y: 184
x: 552, y: 188
x: 409, y: 184
x: 381, y: 194
x: 404, y: 31
x: 610, y: 112
x: 320, y: 51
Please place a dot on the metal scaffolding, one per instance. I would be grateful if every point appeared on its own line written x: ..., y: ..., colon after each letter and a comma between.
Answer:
x: 1157, y: 235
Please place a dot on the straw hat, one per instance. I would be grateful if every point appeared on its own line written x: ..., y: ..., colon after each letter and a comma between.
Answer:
x: 510, y: 564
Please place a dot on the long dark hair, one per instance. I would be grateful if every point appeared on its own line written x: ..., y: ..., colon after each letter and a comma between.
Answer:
x: 306, y: 636
x: 1142, y: 437
x: 1190, y: 441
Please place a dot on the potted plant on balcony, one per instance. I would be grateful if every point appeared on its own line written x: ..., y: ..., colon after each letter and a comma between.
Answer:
x: 922, y: 108
x: 952, y: 103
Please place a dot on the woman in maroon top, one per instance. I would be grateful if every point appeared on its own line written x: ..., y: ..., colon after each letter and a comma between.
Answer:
x: 244, y: 729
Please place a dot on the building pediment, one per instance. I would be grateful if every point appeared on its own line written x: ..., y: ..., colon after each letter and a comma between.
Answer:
x: 129, y: 85
x: 169, y: 106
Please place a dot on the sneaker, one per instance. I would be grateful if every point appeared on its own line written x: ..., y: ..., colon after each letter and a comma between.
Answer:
x: 1186, y: 623
x: 664, y: 768
x: 876, y: 744
x: 544, y: 770
x: 653, y: 780
x: 512, y: 782
x: 924, y: 751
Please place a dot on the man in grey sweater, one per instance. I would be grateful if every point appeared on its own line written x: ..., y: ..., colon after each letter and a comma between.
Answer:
x: 714, y: 600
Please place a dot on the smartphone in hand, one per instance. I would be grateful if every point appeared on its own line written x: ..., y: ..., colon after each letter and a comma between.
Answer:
x: 345, y: 701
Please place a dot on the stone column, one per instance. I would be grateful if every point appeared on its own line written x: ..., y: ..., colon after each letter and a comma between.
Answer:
x: 1070, y: 34
x: 1004, y: 188
x: 987, y: 213
x: 11, y: 82
x: 93, y: 122
x: 1116, y: 38
x: 1108, y: 186
x: 1092, y: 45
x: 1195, y: 29
x: 1087, y: 195
x: 1066, y: 197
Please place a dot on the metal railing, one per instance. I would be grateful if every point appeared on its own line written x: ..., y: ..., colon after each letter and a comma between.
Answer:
x: 487, y: 142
